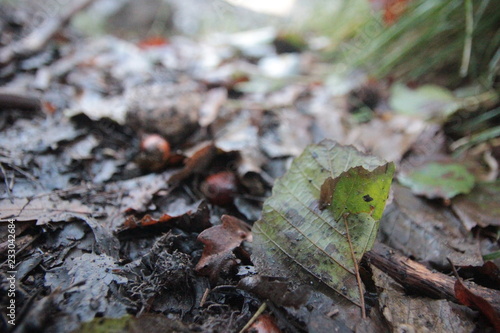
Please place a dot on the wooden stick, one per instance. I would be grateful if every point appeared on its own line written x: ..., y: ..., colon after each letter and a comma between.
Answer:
x: 356, y: 270
x: 416, y: 277
x: 19, y: 101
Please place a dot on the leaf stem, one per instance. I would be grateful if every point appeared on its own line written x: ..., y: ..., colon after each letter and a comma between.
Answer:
x: 356, y: 270
x: 259, y: 311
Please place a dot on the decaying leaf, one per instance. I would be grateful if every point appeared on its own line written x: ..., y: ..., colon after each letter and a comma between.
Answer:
x: 438, y: 179
x: 427, y: 232
x: 480, y: 207
x: 220, y: 241
x: 467, y: 297
x: 406, y: 313
x: 275, y: 289
x: 296, y: 239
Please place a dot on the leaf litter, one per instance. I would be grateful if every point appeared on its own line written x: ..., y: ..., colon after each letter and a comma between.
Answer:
x: 72, y: 168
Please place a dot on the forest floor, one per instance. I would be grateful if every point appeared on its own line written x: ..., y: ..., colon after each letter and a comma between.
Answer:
x: 116, y: 155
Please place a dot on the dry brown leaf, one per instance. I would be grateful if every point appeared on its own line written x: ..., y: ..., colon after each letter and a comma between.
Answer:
x: 220, y: 242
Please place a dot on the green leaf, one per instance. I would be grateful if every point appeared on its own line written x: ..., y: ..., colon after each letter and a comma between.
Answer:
x: 357, y: 191
x: 304, y: 238
x: 438, y: 180
x: 428, y: 101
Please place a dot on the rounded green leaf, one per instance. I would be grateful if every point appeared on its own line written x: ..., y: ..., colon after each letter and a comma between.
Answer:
x: 438, y: 180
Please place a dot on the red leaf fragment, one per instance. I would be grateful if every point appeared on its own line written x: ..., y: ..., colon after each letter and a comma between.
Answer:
x: 264, y: 324
x: 393, y: 9
x: 192, y: 219
x: 154, y: 41
x: 220, y: 242
x: 468, y: 298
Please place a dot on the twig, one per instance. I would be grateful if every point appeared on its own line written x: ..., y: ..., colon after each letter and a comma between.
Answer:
x: 204, y: 297
x: 356, y: 270
x: 18, y: 101
x: 39, y: 37
x: 259, y: 311
x: 415, y: 276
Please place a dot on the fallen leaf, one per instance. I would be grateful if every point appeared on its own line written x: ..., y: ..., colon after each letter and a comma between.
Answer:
x: 290, y: 137
x: 387, y: 138
x: 425, y: 102
x: 480, y: 206
x: 467, y: 297
x: 407, y: 313
x: 193, y: 217
x: 295, y: 239
x: 91, y: 298
x: 220, y: 242
x: 427, y: 232
x: 438, y: 179
x: 276, y: 289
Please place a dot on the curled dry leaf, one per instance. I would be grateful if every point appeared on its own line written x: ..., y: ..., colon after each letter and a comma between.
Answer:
x: 220, y: 242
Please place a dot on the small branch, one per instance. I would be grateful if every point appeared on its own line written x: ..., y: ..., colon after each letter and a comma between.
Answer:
x: 261, y: 309
x: 415, y: 276
x: 39, y: 37
x: 18, y: 101
x: 356, y: 270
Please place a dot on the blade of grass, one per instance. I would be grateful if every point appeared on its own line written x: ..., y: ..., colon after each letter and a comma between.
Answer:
x: 469, y: 29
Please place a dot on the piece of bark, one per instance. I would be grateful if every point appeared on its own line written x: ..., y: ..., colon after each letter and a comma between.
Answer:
x: 39, y: 37
x: 414, y: 276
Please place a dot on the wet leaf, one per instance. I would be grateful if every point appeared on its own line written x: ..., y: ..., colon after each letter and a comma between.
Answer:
x: 480, y: 207
x: 427, y: 232
x: 438, y: 179
x: 428, y: 101
x: 220, y: 241
x: 297, y: 239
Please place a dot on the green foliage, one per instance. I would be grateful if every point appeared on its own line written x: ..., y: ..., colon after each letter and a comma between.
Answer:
x: 432, y: 38
x: 303, y: 237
